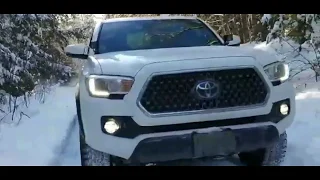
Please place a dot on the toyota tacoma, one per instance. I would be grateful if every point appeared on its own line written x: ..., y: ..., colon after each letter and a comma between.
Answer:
x: 162, y: 89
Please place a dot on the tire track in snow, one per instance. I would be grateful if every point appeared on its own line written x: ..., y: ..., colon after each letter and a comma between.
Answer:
x: 61, y: 149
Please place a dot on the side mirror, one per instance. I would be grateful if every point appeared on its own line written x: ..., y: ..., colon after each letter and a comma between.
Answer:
x: 232, y: 40
x: 79, y: 51
x: 227, y: 38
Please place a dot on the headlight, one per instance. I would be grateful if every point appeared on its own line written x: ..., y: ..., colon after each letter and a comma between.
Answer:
x: 104, y: 86
x: 277, y: 71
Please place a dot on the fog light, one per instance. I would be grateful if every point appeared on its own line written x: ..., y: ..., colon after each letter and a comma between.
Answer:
x: 284, y: 109
x: 111, y: 126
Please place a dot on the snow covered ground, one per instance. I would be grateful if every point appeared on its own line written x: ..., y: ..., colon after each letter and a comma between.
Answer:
x: 50, y: 136
x: 304, y: 134
x: 37, y: 141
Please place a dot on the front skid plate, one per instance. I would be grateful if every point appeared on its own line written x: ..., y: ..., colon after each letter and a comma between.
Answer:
x: 197, y: 145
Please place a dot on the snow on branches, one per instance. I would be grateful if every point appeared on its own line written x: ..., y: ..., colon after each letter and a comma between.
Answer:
x: 31, y: 50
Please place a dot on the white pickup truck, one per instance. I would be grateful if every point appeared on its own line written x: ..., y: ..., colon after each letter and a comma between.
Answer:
x: 170, y: 88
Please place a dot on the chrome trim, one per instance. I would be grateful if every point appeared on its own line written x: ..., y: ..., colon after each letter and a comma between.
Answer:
x: 207, y: 111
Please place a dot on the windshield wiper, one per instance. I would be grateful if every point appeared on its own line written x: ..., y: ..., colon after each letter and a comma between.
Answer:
x: 213, y: 42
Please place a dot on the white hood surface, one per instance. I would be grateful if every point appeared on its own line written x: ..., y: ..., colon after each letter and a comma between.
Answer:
x: 128, y: 63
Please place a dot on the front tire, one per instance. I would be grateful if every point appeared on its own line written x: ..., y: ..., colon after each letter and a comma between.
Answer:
x: 92, y: 157
x: 270, y: 156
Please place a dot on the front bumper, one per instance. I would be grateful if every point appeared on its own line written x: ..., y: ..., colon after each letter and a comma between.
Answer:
x: 125, y: 143
x: 198, y: 145
x: 137, y: 126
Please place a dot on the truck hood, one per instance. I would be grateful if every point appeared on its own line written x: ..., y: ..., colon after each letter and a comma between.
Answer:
x: 128, y: 63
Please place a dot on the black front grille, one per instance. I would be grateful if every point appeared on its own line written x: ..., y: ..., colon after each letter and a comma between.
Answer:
x: 176, y: 92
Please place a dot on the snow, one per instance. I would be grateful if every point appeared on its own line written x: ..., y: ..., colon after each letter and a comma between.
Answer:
x: 265, y: 18
x: 304, y: 134
x: 50, y: 136
x: 98, y: 17
x: 288, y: 51
x: 36, y: 141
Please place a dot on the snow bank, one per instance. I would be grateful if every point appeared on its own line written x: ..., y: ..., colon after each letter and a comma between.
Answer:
x: 35, y: 141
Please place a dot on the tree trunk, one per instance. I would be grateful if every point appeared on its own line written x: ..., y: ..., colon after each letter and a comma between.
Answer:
x: 245, y: 29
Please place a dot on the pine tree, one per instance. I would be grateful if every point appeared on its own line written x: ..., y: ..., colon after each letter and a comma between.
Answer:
x: 31, y: 51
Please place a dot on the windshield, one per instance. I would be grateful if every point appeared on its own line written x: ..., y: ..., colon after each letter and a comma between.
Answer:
x: 154, y: 34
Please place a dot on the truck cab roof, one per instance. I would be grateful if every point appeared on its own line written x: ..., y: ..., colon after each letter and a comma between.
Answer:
x: 147, y: 18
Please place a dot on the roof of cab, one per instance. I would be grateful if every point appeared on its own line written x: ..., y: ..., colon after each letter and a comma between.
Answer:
x: 147, y: 18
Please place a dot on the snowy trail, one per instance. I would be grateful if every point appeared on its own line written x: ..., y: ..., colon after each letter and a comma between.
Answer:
x: 35, y: 140
x: 71, y: 155
x: 304, y: 134
x: 68, y: 151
